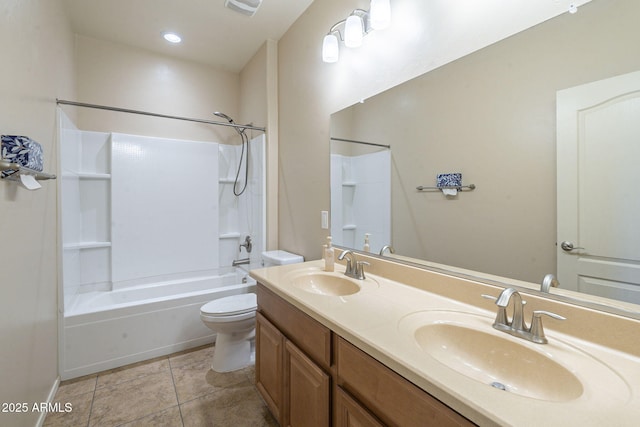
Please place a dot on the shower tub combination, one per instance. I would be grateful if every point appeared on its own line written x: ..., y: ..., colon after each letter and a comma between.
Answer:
x: 136, y: 270
x: 105, y: 330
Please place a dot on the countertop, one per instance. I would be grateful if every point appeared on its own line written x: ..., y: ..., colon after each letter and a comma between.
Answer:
x: 377, y: 320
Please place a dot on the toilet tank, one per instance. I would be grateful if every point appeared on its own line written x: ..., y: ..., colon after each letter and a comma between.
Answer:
x: 272, y: 258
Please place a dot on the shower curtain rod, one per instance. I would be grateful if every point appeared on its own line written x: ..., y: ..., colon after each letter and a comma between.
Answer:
x: 164, y: 116
x: 361, y: 142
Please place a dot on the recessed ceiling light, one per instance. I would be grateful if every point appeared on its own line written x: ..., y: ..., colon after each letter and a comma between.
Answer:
x: 172, y: 37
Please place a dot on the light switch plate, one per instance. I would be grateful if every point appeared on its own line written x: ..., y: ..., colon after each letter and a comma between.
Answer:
x: 325, y: 219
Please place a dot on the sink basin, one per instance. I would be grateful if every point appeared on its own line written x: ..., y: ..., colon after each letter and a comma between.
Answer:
x: 468, y: 344
x: 330, y: 284
x: 499, y: 362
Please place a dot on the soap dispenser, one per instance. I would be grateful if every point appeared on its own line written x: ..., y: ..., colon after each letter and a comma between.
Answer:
x: 328, y: 256
x: 367, y: 247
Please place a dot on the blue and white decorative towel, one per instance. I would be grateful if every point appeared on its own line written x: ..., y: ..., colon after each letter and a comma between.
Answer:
x: 21, y: 150
x: 449, y: 180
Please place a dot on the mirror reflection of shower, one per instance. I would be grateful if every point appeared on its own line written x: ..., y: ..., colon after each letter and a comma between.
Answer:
x: 360, y: 176
x: 245, y: 143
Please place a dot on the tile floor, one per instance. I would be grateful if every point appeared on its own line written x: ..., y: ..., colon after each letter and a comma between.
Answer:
x: 176, y: 390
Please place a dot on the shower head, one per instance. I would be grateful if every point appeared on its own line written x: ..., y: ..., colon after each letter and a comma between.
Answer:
x: 224, y: 116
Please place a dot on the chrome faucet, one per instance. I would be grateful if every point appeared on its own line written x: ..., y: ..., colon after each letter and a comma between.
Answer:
x: 354, y: 268
x: 237, y: 262
x: 548, y: 282
x: 247, y: 245
x: 389, y: 248
x: 502, y: 322
x: 516, y: 326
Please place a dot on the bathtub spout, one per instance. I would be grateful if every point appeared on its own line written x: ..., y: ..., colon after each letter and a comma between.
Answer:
x: 237, y: 262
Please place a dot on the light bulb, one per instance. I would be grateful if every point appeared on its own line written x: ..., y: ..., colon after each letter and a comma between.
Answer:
x: 353, y: 31
x: 172, y: 37
x: 330, y: 49
x: 380, y: 14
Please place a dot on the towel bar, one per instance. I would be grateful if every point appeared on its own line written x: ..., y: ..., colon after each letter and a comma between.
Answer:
x: 459, y: 188
x: 15, y: 170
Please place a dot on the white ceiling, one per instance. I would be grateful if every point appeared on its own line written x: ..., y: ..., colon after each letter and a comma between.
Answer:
x: 211, y: 33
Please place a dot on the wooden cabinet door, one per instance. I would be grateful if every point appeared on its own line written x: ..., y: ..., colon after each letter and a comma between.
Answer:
x: 269, y: 365
x: 307, y: 391
x: 350, y: 413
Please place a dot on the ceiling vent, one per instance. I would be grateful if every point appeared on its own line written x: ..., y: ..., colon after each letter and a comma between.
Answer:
x: 246, y: 7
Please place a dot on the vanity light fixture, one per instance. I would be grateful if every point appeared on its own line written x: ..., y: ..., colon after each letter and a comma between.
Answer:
x: 330, y: 48
x: 171, y: 37
x: 358, y: 24
x: 354, y: 30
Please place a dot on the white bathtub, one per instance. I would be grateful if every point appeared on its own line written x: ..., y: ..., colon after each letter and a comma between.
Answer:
x: 104, y: 330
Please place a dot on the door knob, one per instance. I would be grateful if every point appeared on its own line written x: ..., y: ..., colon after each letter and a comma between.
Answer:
x: 568, y: 246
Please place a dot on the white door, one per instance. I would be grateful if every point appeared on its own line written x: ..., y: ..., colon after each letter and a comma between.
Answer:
x: 598, y: 175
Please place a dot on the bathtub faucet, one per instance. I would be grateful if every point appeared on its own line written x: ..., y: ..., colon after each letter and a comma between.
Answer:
x: 247, y: 245
x: 237, y: 262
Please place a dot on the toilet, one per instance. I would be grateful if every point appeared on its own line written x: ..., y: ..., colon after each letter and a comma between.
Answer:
x: 233, y: 319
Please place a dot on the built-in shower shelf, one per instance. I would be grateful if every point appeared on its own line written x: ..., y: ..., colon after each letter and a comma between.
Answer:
x: 349, y: 184
x: 349, y: 227
x: 233, y: 235
x: 86, y: 245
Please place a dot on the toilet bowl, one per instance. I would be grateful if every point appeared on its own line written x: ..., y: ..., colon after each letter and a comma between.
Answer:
x: 233, y: 319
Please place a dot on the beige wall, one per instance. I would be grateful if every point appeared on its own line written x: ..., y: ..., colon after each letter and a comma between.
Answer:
x: 37, y: 56
x: 127, y: 77
x: 259, y: 105
x: 314, y: 90
x: 491, y: 116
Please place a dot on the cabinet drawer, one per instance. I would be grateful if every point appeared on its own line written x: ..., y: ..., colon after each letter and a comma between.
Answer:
x: 392, y: 398
x: 304, y: 331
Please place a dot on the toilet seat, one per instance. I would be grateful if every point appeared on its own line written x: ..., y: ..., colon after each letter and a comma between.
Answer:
x: 231, y: 306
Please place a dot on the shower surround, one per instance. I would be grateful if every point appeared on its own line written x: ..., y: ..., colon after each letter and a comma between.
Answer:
x: 149, y: 229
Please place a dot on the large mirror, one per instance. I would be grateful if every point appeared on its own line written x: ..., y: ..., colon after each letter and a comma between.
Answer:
x: 490, y: 116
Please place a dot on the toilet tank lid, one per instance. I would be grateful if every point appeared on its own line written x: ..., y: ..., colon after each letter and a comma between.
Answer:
x: 282, y: 257
x: 234, y: 304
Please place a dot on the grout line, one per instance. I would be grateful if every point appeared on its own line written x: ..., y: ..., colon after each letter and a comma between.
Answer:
x: 93, y: 398
x: 175, y: 389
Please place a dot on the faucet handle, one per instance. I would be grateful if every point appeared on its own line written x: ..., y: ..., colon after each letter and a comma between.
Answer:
x: 360, y: 269
x: 537, y: 331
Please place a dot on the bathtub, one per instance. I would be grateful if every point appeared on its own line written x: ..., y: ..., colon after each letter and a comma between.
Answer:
x: 108, y: 329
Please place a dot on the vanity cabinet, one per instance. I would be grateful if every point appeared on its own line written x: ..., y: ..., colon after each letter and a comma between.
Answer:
x: 311, y: 377
x: 293, y: 355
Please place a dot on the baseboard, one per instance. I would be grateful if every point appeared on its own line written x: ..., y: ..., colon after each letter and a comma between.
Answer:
x: 50, y: 399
